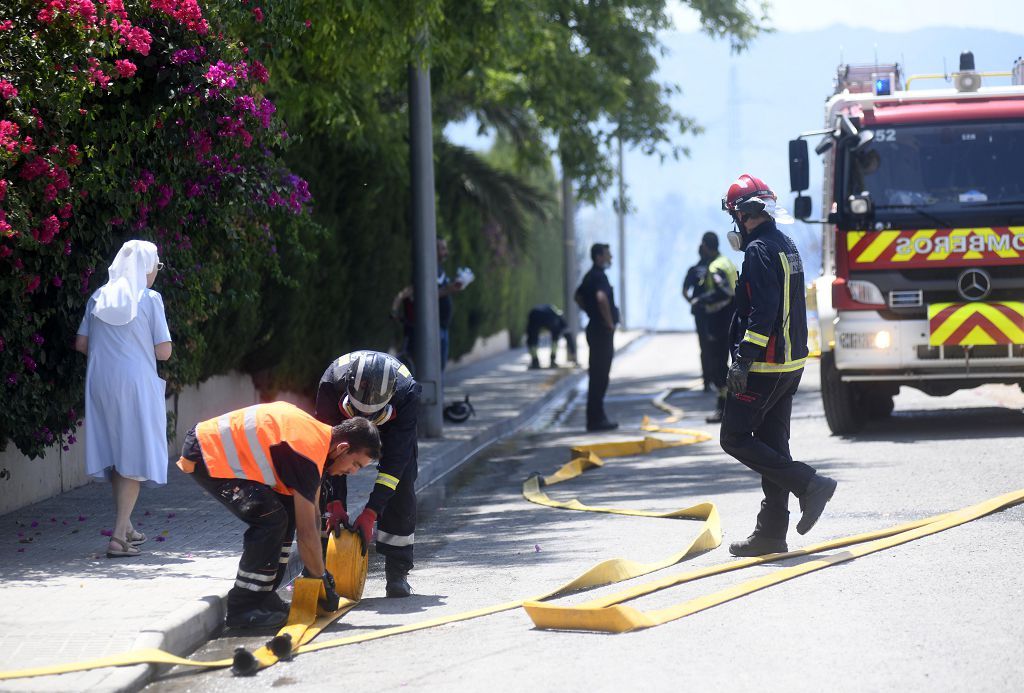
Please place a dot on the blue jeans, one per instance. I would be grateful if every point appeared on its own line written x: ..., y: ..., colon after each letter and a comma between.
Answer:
x: 444, y: 348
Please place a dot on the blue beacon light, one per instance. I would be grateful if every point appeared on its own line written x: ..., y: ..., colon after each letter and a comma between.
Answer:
x: 882, y: 87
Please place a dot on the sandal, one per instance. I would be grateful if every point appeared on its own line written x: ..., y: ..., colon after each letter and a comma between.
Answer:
x: 135, y: 538
x: 125, y: 550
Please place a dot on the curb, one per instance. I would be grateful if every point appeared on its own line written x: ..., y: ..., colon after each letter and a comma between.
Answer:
x: 188, y: 627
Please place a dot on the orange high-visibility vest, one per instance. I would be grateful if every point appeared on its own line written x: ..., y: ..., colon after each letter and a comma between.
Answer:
x: 237, y: 445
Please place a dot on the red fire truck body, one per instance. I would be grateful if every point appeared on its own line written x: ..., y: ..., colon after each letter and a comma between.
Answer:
x: 923, y: 252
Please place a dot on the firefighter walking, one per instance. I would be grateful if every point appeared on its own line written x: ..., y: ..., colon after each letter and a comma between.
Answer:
x: 769, y: 336
x: 379, y: 387
x: 265, y: 464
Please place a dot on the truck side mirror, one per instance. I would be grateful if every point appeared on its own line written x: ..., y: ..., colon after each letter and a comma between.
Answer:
x: 802, y: 207
x: 799, y: 168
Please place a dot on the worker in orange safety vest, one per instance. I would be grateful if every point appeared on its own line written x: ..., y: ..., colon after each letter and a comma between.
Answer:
x: 265, y: 464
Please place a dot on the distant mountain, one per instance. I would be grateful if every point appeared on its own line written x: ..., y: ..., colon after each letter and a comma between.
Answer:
x: 750, y: 106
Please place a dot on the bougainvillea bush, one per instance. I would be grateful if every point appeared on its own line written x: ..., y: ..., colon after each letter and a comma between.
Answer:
x: 126, y: 119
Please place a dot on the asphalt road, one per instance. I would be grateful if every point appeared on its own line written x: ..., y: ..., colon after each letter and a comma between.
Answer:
x: 941, y: 613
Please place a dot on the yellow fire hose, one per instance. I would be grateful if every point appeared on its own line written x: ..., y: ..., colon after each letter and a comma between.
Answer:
x: 605, y: 614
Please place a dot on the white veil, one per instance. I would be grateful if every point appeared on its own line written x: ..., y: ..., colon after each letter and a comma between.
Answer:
x: 117, y: 301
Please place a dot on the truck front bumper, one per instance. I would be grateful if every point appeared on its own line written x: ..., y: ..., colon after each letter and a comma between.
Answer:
x: 870, y: 348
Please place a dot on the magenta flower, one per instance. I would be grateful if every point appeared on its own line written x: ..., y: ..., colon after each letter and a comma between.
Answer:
x: 7, y: 90
x: 125, y: 68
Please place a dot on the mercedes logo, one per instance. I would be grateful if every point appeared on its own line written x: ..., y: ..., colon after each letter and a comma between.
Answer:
x: 974, y: 284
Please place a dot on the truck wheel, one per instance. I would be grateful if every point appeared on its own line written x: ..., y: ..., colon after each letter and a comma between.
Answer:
x: 843, y: 409
x: 878, y: 406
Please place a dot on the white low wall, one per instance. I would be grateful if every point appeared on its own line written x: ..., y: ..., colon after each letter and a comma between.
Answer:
x: 24, y: 481
x: 482, y: 348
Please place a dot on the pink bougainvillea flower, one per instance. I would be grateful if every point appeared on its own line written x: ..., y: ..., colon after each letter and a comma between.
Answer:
x: 8, y: 135
x: 258, y: 14
x: 7, y: 90
x: 125, y: 68
x: 259, y: 72
x: 6, y: 25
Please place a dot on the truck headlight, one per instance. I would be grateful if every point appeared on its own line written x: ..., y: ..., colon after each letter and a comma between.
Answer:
x: 883, y: 340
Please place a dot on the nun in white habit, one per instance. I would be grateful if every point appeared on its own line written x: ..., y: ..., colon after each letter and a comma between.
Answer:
x: 123, y: 334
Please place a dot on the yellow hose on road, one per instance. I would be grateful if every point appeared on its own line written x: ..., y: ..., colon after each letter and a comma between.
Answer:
x: 606, y: 614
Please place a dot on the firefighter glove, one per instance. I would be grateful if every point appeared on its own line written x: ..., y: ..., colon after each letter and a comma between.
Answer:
x: 336, y: 517
x: 363, y: 526
x: 331, y: 601
x: 738, y: 372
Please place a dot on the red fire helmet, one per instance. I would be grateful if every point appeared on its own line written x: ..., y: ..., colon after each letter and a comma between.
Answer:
x: 747, y: 194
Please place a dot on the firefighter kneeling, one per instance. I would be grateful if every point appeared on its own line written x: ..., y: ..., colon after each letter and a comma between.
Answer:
x: 265, y: 464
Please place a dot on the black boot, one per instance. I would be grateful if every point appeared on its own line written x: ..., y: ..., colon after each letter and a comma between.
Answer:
x: 758, y: 545
x: 716, y: 417
x: 534, y: 363
x: 819, y: 492
x: 397, y: 583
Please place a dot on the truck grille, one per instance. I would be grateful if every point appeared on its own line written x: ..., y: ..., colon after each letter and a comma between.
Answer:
x: 906, y: 299
x: 958, y: 353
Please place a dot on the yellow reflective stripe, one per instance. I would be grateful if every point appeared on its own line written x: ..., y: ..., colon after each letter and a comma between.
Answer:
x: 387, y: 480
x: 786, y: 273
x: 787, y: 367
x: 875, y: 248
x: 755, y: 338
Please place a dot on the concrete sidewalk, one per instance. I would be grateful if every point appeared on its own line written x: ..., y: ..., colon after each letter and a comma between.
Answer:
x: 62, y: 600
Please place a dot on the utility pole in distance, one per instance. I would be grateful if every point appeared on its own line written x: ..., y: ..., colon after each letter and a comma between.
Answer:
x: 427, y: 342
x: 622, y: 241
x: 572, y: 313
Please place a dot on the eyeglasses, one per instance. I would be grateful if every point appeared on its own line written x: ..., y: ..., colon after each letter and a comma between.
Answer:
x: 159, y: 265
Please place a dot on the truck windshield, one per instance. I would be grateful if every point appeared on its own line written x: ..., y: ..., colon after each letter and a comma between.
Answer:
x: 949, y: 172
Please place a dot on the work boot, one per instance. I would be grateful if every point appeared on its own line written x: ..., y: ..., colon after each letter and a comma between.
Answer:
x: 534, y: 363
x: 758, y: 545
x: 397, y: 585
x: 716, y: 417
x: 273, y: 602
x: 605, y: 425
x: 819, y: 492
x: 257, y: 617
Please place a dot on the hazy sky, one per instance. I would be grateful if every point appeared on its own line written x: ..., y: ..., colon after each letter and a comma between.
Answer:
x: 881, y: 15
x: 750, y: 104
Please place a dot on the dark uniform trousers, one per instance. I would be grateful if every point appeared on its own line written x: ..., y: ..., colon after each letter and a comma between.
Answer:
x: 267, y: 544
x: 715, y: 351
x: 700, y: 324
x: 396, y: 526
x: 755, y: 430
x: 601, y: 341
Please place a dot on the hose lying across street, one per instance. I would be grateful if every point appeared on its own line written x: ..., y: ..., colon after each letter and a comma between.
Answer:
x: 605, y: 614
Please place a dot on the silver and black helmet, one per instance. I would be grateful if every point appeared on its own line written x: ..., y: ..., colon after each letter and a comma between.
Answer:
x: 371, y: 380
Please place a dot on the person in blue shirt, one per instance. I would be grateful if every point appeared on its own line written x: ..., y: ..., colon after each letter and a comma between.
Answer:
x: 596, y: 297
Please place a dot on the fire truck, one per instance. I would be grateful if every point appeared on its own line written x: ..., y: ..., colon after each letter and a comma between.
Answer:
x: 923, y: 245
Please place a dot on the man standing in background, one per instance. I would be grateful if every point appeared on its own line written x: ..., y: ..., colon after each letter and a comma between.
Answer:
x: 714, y: 297
x: 692, y: 284
x: 596, y: 297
